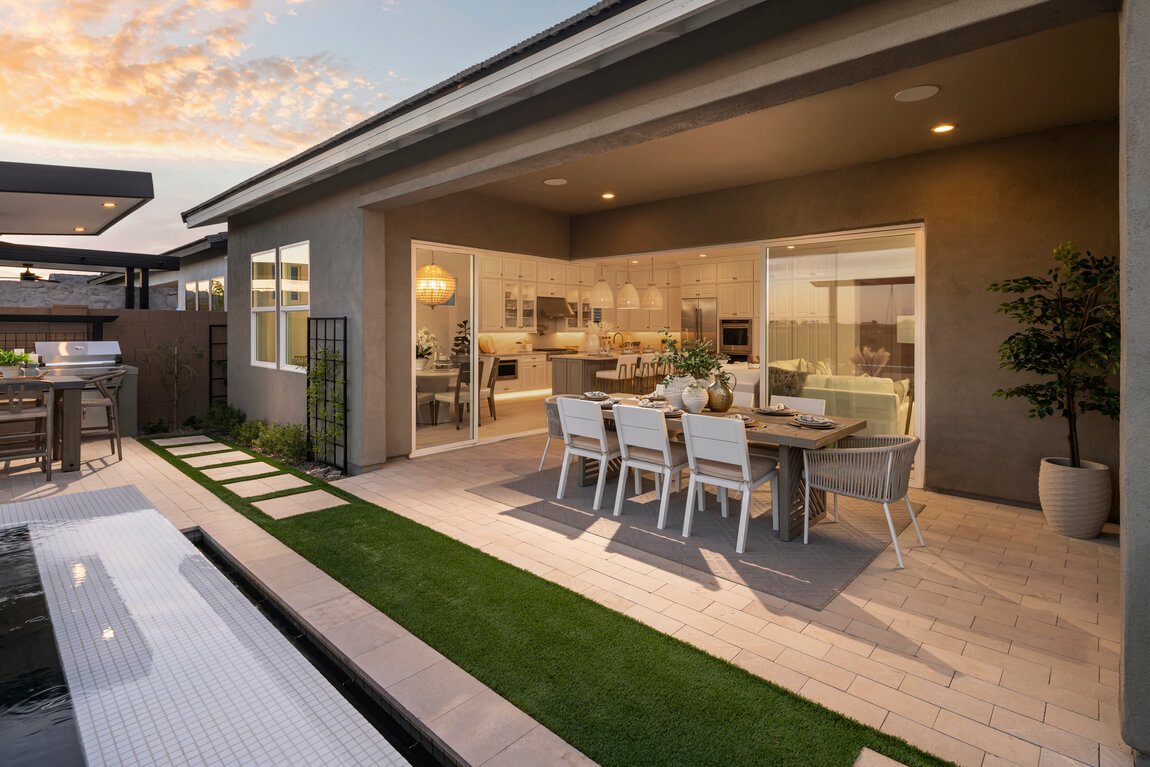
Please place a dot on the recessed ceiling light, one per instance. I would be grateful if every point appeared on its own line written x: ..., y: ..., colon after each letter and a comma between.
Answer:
x: 634, y: 261
x: 790, y: 247
x: 554, y: 181
x: 79, y: 229
x: 944, y: 128
x: 109, y: 205
x: 702, y: 255
x: 917, y: 93
x: 608, y: 195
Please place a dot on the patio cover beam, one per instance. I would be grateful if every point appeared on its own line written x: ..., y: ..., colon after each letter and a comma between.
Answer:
x: 102, y: 260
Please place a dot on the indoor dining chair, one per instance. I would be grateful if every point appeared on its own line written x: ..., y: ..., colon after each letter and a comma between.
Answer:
x: 585, y: 434
x: 717, y: 454
x: 645, y: 446
x: 868, y: 468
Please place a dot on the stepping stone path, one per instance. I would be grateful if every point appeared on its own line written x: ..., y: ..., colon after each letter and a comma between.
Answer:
x: 201, y: 452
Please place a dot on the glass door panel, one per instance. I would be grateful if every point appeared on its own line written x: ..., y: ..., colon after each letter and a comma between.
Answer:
x: 841, y: 327
x: 446, y: 359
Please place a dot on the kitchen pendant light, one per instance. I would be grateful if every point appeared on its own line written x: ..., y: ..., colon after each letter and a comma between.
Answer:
x: 628, y: 296
x: 602, y: 297
x: 652, y: 298
x: 434, y: 285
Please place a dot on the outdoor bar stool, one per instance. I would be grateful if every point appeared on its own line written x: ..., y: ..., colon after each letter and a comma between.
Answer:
x: 868, y: 468
x: 554, y: 427
x: 30, y: 403
x: 644, y: 445
x: 624, y: 371
x: 585, y: 434
x: 717, y: 454
x: 108, y: 385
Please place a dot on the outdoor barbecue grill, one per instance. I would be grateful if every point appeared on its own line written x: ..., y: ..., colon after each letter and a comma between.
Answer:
x: 92, y: 358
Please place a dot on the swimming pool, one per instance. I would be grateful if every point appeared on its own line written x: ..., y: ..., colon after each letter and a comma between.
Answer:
x: 167, y: 663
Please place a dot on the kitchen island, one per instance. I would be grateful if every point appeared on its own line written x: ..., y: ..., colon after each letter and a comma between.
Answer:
x: 575, y: 373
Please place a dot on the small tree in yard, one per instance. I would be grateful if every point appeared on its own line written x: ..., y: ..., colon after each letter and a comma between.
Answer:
x: 1070, y: 337
x: 175, y: 363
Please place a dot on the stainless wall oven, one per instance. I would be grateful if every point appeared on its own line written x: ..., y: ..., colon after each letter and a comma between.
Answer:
x: 735, y: 338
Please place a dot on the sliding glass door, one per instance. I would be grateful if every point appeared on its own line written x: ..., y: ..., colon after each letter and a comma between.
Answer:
x: 444, y: 350
x: 843, y: 327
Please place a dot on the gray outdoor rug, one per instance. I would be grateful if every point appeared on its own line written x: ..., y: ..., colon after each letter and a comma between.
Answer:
x: 810, y: 575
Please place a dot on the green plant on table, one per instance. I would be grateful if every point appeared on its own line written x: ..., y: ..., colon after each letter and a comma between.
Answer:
x: 8, y: 358
x: 690, y: 358
x: 1071, y: 338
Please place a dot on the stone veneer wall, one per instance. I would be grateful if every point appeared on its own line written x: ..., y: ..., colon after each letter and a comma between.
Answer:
x: 46, y: 294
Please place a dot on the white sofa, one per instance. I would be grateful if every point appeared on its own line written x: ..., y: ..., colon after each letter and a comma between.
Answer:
x: 884, y: 403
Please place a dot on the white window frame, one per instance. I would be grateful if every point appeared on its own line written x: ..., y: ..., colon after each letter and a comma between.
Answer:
x: 256, y: 310
x: 284, y: 311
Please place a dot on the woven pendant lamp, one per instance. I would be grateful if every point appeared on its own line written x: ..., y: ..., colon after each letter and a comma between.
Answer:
x: 652, y: 298
x: 434, y: 285
x: 602, y: 296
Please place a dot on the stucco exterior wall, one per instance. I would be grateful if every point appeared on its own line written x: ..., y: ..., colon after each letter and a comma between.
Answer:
x: 333, y: 227
x: 991, y: 211
x: 468, y: 220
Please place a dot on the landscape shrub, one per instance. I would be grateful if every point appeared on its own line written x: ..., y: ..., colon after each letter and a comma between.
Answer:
x: 248, y: 433
x: 156, y: 427
x: 287, y: 440
x: 223, y: 419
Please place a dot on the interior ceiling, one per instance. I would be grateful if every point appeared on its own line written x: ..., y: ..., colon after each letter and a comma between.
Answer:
x: 33, y: 213
x: 1062, y: 76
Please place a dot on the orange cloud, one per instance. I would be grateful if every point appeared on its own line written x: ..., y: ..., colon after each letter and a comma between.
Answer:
x: 166, y: 77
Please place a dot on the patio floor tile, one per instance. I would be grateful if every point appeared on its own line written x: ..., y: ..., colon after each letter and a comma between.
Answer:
x: 199, y: 447
x: 224, y: 473
x: 263, y: 486
x: 212, y: 459
x: 301, y: 503
x: 171, y: 441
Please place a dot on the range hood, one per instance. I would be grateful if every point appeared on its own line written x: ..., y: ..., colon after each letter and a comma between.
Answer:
x: 553, y: 307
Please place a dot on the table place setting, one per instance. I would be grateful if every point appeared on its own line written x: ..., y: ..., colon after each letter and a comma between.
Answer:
x: 776, y: 410
x: 813, y: 422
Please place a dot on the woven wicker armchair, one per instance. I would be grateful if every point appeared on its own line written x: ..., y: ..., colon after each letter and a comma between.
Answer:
x: 873, y: 468
x: 554, y: 425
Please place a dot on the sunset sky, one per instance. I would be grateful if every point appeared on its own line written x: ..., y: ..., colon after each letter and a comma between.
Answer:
x: 205, y: 93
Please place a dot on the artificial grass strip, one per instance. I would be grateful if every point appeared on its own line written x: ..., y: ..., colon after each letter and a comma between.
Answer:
x: 616, y: 689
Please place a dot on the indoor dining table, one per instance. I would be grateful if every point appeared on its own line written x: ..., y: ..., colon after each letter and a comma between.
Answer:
x: 790, y: 441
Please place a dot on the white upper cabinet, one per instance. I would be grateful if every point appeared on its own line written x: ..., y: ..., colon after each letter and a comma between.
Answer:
x: 552, y: 271
x: 579, y: 275
x: 736, y: 271
x: 490, y: 266
x: 697, y: 273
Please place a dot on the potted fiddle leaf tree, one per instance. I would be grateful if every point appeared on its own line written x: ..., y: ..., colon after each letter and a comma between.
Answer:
x: 1071, y: 341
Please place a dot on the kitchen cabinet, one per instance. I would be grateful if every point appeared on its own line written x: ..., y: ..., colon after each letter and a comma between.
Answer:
x: 699, y: 290
x: 579, y: 275
x: 551, y: 272
x: 490, y: 267
x: 534, y: 372
x: 490, y: 304
x: 666, y: 276
x: 738, y: 300
x: 736, y: 271
x: 781, y: 305
x: 579, y: 299
x: 551, y: 289
x: 697, y: 274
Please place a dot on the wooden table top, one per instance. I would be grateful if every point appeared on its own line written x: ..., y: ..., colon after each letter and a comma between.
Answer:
x: 771, y: 429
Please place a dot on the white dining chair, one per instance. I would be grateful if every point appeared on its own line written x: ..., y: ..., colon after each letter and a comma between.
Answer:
x: 624, y: 372
x: 875, y: 468
x: 717, y: 454
x: 645, y: 446
x: 809, y: 405
x: 586, y: 435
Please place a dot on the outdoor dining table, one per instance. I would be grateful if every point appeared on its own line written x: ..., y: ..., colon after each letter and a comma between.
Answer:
x: 66, y: 421
x: 791, y: 441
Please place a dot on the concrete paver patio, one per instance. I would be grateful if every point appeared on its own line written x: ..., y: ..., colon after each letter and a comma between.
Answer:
x: 997, y: 645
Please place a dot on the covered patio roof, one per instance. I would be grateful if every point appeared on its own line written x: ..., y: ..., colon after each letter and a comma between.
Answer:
x: 83, y: 259
x: 60, y: 199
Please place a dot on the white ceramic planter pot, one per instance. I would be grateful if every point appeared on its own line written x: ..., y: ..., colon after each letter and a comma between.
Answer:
x: 421, y: 362
x: 10, y: 371
x: 673, y: 391
x: 694, y: 399
x: 1076, y: 502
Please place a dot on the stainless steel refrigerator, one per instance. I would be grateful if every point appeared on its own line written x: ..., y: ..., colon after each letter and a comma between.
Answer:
x: 701, y: 320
